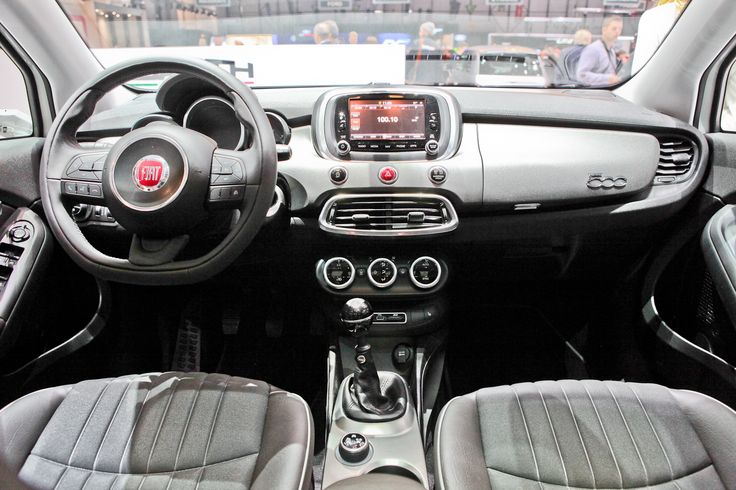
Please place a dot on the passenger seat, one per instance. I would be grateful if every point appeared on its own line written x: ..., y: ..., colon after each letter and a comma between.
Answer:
x: 585, y: 435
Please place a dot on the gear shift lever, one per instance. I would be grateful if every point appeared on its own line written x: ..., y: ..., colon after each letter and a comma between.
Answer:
x: 357, y: 318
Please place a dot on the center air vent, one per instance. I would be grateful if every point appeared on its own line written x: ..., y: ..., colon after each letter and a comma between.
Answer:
x: 388, y: 215
x: 676, y: 157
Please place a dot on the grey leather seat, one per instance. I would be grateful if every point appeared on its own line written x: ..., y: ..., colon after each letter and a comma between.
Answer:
x: 171, y: 430
x: 589, y: 434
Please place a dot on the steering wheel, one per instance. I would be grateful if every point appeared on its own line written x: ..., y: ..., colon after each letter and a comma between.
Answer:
x: 159, y: 181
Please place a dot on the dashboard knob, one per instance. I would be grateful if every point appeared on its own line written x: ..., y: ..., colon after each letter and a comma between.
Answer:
x: 425, y: 272
x: 343, y: 148
x: 382, y: 273
x: 432, y: 147
x: 338, y: 273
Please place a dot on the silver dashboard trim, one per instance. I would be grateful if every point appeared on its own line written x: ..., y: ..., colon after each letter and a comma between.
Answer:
x: 433, y: 283
x: 378, y: 284
x: 338, y: 286
x: 450, y: 136
x: 451, y: 225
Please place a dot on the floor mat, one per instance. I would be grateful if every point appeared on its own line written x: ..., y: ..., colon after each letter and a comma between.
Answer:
x: 501, y: 345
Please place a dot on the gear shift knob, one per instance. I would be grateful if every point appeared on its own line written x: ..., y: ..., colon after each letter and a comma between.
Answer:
x: 357, y: 316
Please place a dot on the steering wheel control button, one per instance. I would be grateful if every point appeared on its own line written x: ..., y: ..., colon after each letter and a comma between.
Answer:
x: 338, y: 273
x: 354, y: 448
x: 343, y: 148
x: 338, y: 175
x: 388, y: 175
x: 226, y: 171
x: 438, y: 175
x: 20, y: 232
x: 382, y: 273
x: 227, y: 193
x: 425, y: 272
x: 151, y: 173
x: 95, y: 190
x: 432, y: 147
x: 70, y: 188
x: 87, y: 167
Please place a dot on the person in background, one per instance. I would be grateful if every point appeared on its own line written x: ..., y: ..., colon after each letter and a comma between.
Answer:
x: 419, y: 69
x: 570, y: 56
x: 371, y: 40
x: 598, y: 61
x: 424, y: 40
x: 326, y: 32
x: 654, y: 25
x: 353, y: 37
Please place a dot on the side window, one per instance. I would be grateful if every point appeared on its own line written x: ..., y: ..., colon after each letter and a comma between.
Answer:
x: 728, y: 116
x: 15, y: 112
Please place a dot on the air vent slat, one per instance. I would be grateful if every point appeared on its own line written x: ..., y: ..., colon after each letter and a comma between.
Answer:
x: 389, y: 213
x: 676, y: 158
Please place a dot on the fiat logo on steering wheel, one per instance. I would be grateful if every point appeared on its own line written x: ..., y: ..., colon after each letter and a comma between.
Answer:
x: 150, y: 173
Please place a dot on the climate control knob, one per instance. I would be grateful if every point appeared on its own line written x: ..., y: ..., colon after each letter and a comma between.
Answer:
x: 425, y: 272
x: 338, y: 273
x: 382, y: 273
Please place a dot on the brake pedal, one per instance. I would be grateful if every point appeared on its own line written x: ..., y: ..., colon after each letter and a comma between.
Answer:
x: 231, y: 319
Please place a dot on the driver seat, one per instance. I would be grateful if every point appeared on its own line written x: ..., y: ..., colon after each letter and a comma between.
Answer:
x: 162, y: 431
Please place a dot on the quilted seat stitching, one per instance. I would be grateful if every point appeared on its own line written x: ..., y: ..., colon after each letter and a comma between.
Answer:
x: 111, y: 423
x: 212, y: 430
x: 189, y: 419
x: 580, y: 435
x: 694, y: 472
x: 554, y: 435
x: 654, y: 431
x: 528, y: 435
x: 605, y: 434
x: 628, y: 430
x: 81, y: 432
x: 81, y: 468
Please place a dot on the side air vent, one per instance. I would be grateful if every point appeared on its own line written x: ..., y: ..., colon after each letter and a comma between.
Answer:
x: 676, y: 158
x: 388, y: 215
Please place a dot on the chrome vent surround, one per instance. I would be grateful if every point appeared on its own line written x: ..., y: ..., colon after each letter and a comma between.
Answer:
x: 388, y: 215
x: 676, y: 159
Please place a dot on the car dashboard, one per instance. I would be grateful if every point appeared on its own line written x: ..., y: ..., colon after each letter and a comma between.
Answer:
x: 540, y: 173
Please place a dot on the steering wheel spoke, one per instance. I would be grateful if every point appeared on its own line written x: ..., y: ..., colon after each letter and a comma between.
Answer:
x: 82, y: 177
x: 155, y: 251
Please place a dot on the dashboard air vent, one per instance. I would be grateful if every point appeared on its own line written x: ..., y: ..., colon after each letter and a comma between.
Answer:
x: 388, y: 215
x: 676, y: 158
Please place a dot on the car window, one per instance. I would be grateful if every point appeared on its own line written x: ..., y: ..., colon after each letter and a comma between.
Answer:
x: 728, y: 116
x: 15, y: 112
x: 539, y: 43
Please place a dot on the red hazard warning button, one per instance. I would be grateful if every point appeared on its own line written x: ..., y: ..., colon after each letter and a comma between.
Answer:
x: 388, y: 175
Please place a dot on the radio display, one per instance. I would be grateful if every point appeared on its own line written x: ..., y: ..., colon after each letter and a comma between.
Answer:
x: 386, y: 119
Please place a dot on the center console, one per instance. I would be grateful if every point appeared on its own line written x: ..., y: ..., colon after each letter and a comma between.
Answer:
x: 390, y: 164
x: 374, y: 424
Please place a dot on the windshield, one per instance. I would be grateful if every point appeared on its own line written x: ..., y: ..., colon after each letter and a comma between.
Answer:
x: 272, y: 43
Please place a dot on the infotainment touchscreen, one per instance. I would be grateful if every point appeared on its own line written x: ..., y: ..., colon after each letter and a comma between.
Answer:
x: 386, y: 119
